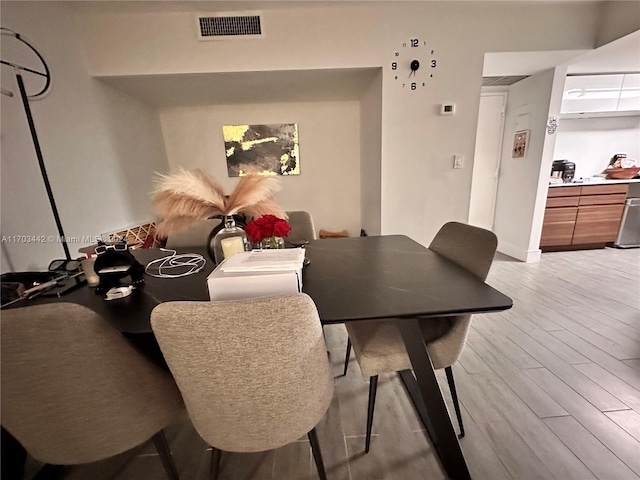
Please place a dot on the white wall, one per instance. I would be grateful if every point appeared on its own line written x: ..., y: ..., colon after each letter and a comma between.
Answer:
x: 616, y: 20
x: 591, y: 142
x: 419, y: 190
x: 329, y: 137
x: 522, y: 186
x: 370, y: 157
x: 486, y: 162
x: 98, y: 146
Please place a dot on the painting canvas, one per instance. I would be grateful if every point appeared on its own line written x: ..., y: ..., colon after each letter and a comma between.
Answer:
x: 262, y: 149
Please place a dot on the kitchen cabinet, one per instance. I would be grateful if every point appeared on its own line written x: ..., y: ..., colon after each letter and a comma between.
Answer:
x: 603, y: 94
x: 630, y: 93
x: 560, y: 216
x: 591, y: 93
x: 597, y: 224
x: 558, y: 226
x: 582, y: 216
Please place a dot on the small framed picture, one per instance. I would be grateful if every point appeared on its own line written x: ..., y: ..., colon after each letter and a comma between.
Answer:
x: 520, y: 144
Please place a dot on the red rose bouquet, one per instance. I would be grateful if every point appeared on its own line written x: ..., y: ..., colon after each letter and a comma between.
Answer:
x: 266, y: 228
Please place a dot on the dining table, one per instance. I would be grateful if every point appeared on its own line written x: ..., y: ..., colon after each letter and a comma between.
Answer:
x: 392, y: 277
x: 349, y: 279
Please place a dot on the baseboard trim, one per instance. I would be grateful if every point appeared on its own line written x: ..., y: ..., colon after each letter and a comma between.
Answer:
x: 527, y: 256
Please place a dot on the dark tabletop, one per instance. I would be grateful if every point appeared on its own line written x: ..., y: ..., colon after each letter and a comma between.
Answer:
x: 348, y: 279
x: 391, y: 276
x: 132, y: 314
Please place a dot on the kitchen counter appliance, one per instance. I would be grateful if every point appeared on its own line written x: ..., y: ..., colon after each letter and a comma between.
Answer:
x: 563, y: 169
x: 629, y: 233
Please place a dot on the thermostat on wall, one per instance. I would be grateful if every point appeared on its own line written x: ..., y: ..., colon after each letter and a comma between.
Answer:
x: 447, y: 109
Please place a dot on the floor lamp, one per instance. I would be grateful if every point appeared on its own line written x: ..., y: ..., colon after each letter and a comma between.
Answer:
x: 34, y: 136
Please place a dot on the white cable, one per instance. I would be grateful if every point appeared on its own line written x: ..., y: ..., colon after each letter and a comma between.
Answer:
x: 195, y: 261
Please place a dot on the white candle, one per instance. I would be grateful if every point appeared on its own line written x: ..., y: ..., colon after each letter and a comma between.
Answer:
x: 231, y: 246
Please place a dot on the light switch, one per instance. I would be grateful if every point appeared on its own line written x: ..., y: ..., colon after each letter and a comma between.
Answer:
x: 457, y: 161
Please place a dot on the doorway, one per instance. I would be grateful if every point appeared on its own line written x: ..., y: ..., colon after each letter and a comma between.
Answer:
x: 486, y: 162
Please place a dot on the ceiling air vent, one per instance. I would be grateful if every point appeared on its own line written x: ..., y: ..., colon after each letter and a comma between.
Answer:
x: 502, y: 81
x: 225, y: 26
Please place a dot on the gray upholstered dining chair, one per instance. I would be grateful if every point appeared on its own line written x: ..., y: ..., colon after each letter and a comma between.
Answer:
x: 302, y: 227
x: 254, y: 373
x: 195, y: 236
x: 75, y: 391
x: 378, y: 344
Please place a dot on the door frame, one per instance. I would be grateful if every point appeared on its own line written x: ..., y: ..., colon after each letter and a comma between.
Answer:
x: 485, y: 92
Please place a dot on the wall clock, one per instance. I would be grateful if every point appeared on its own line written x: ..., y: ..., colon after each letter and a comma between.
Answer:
x: 413, y: 64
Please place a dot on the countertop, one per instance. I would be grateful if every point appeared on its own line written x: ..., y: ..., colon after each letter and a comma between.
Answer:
x: 606, y: 182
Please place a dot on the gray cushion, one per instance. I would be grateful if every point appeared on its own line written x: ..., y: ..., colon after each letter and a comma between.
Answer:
x: 74, y: 390
x: 302, y: 226
x: 194, y: 236
x: 378, y: 345
x: 254, y: 373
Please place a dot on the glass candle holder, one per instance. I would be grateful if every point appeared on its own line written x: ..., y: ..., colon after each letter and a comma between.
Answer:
x: 229, y: 241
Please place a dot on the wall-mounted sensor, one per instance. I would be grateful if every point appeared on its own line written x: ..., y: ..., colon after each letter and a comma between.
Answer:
x: 447, y: 109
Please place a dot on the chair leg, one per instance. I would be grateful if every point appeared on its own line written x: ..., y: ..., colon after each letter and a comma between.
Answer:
x: 49, y: 472
x: 373, y: 389
x: 454, y: 396
x: 346, y: 358
x: 317, y: 454
x: 215, y: 463
x: 162, y: 447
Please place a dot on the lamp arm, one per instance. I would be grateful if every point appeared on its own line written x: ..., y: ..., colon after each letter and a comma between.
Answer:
x: 43, y: 170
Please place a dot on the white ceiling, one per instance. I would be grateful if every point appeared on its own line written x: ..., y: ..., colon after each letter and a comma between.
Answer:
x: 247, y: 87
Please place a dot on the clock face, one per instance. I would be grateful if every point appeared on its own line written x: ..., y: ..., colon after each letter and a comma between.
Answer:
x: 413, y: 64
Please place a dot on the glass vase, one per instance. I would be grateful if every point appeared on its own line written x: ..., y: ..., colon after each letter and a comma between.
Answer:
x: 270, y: 243
x: 229, y: 241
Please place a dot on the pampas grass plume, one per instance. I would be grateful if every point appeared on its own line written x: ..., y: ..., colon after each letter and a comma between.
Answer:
x: 186, y: 197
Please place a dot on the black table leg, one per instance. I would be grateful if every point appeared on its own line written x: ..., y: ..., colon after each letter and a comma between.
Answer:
x: 13, y: 457
x: 438, y: 422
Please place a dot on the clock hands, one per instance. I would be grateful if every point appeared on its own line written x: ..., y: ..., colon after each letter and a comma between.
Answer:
x: 415, y: 65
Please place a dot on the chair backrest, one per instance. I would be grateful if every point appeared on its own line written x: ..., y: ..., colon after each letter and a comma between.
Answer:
x: 472, y: 248
x: 74, y: 390
x: 254, y: 374
x: 194, y: 236
x: 302, y: 226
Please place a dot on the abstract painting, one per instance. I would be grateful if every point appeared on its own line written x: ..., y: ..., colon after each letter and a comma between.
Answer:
x: 262, y: 149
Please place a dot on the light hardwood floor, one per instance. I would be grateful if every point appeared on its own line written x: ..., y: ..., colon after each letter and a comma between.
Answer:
x: 549, y: 390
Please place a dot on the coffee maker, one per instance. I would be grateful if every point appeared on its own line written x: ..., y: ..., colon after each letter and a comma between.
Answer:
x: 563, y: 169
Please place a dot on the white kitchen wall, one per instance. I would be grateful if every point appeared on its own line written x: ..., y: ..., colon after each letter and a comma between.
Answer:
x: 329, y: 138
x: 98, y: 144
x: 591, y: 142
x: 521, y: 193
x: 90, y: 127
